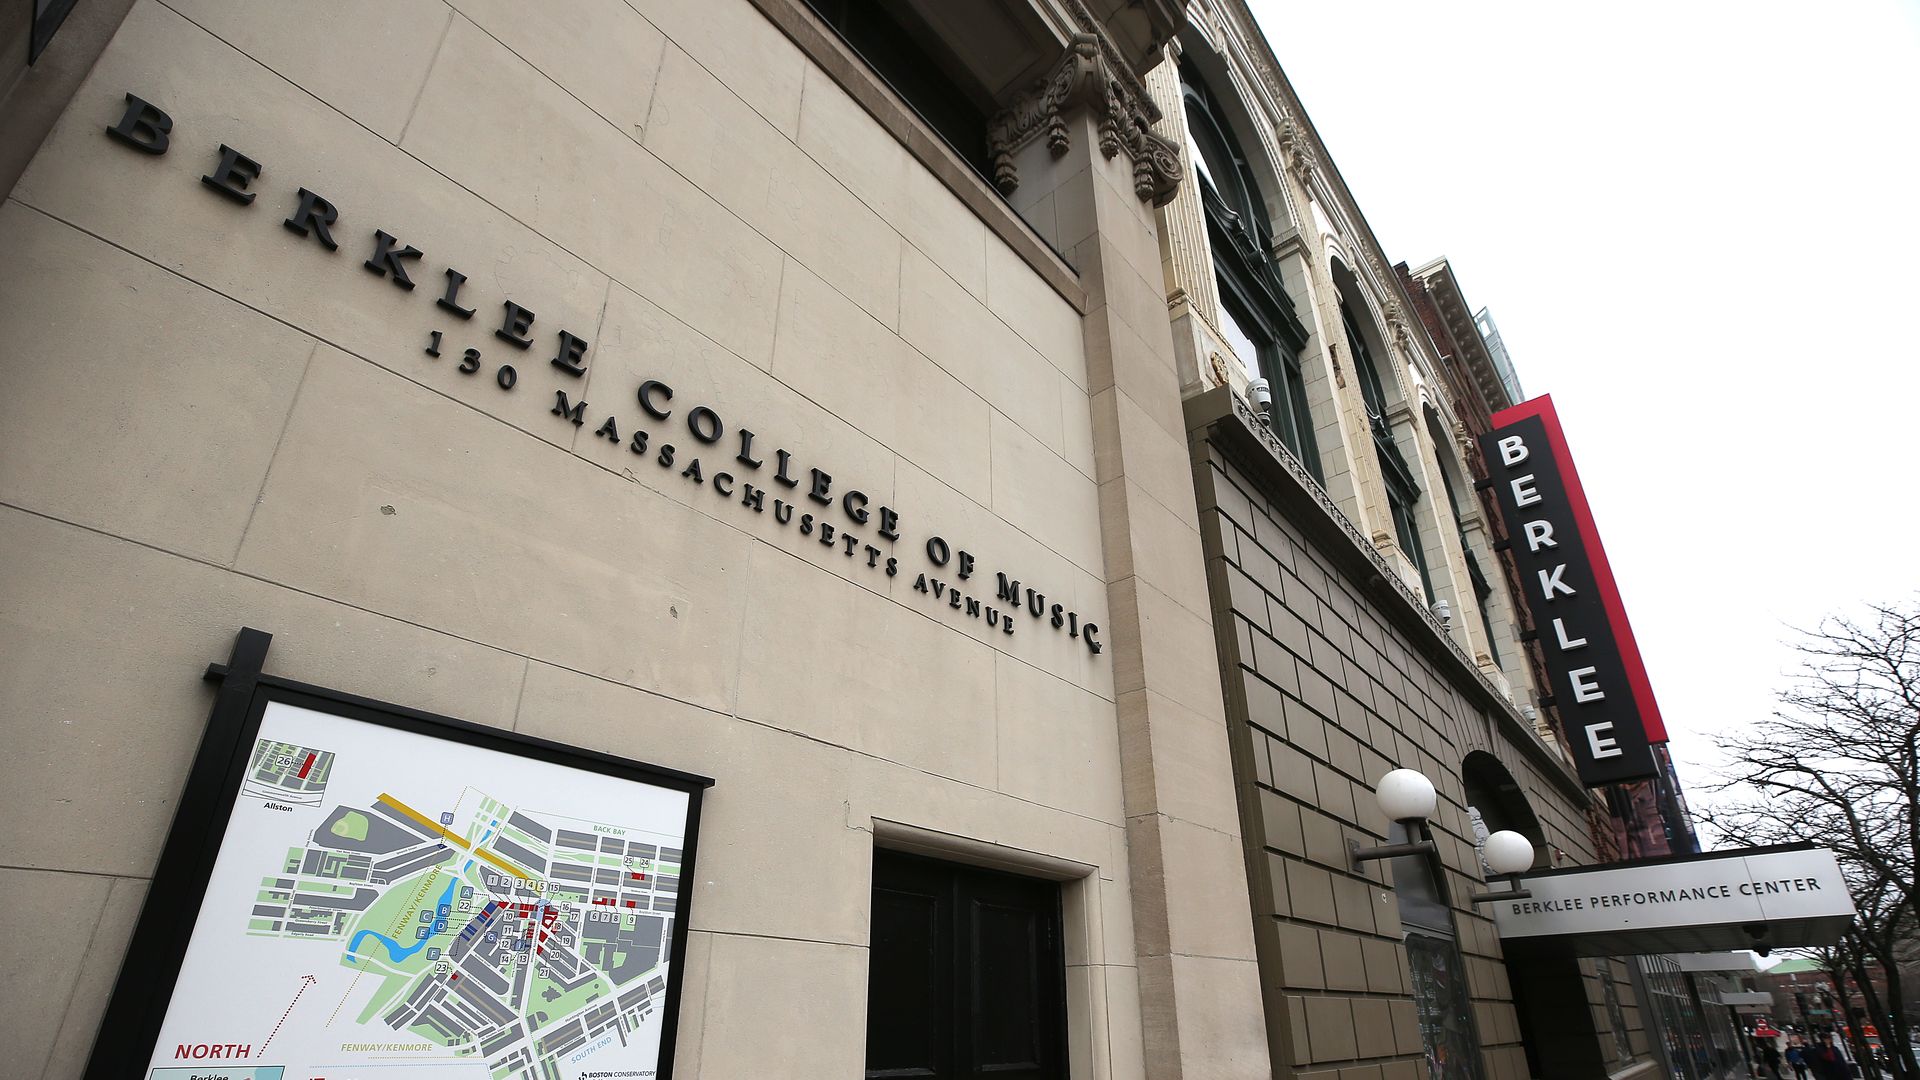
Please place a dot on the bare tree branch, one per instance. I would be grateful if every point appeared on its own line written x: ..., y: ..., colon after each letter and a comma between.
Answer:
x: 1839, y: 763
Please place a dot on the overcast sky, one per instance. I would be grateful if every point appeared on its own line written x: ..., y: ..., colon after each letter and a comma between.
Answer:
x: 1696, y: 226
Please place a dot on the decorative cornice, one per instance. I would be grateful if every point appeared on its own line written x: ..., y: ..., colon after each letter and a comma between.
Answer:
x: 1390, y: 309
x: 1402, y: 336
x: 1117, y: 65
x: 1090, y: 73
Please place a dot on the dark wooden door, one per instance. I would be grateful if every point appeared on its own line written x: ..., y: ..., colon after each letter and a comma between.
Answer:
x: 966, y: 978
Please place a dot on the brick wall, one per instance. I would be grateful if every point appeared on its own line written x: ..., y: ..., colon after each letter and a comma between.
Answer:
x: 1328, y: 687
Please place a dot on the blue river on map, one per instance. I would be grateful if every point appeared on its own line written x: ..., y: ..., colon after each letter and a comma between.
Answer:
x: 395, y: 952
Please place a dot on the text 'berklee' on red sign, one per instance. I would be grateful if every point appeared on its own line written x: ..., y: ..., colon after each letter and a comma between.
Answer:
x: 1597, y: 680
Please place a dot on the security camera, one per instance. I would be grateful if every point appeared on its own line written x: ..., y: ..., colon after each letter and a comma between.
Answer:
x: 1262, y: 395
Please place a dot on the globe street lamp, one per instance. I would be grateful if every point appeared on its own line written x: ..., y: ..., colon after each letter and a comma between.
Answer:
x: 1407, y: 797
x: 1508, y: 854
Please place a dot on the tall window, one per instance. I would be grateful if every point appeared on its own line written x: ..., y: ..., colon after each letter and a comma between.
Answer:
x: 1256, y: 316
x: 1482, y: 590
x: 1403, y: 492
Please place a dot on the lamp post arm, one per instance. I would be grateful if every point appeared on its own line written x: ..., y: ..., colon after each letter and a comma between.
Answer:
x: 1390, y: 851
x: 1513, y: 891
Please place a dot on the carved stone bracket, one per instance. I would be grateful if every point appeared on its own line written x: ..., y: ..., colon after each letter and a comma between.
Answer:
x: 1298, y: 152
x: 1088, y: 74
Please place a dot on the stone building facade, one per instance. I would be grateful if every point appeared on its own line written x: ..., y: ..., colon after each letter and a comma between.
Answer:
x: 1365, y: 615
x: 672, y: 381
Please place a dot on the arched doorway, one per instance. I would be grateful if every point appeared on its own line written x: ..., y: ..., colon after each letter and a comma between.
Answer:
x: 1549, y: 991
x: 1495, y: 801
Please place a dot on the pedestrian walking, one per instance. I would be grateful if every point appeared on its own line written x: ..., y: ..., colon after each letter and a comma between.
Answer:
x: 1828, y: 1062
x: 1797, y: 1059
x: 1770, y: 1057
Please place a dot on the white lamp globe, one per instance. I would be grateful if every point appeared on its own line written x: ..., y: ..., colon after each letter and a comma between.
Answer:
x: 1508, y: 852
x: 1406, y: 795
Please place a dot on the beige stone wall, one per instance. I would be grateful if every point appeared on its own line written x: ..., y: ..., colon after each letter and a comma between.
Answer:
x: 211, y: 421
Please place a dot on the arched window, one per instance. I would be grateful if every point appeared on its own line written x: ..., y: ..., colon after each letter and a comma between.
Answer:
x: 1482, y: 588
x: 1256, y: 316
x: 1403, y: 491
x: 1217, y: 158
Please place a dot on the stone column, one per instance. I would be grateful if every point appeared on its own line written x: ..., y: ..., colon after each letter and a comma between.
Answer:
x: 1360, y: 493
x: 1447, y: 566
x: 1186, y: 258
x: 1199, y: 983
x: 1503, y: 643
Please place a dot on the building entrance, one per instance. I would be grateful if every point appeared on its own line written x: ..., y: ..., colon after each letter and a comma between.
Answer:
x: 1549, y: 990
x: 966, y: 973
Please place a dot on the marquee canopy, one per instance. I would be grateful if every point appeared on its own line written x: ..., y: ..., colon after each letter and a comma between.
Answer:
x: 1748, y: 898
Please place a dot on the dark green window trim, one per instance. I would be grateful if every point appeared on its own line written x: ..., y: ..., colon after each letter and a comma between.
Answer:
x: 1482, y: 590
x: 1251, y: 291
x: 1403, y: 491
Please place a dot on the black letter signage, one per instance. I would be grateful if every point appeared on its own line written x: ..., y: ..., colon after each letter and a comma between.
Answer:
x: 143, y: 127
x: 231, y: 177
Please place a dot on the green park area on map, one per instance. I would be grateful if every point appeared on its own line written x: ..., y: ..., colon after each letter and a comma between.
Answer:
x: 499, y: 934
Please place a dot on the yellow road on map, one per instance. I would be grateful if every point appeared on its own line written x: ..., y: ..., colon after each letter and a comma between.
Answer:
x: 433, y: 826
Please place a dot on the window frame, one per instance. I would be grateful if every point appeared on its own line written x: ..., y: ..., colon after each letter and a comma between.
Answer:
x: 1208, y: 129
x: 1482, y: 588
x: 1245, y: 275
x: 1277, y: 360
x: 1402, y: 488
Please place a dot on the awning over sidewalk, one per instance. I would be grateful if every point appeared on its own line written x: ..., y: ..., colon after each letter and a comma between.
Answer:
x: 1778, y: 897
x: 1739, y: 962
x: 1757, y: 1002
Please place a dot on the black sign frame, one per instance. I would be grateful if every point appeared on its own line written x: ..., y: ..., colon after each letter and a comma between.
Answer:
x: 1598, y: 683
x: 143, y: 989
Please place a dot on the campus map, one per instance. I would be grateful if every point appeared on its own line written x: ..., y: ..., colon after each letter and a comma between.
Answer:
x: 412, y: 916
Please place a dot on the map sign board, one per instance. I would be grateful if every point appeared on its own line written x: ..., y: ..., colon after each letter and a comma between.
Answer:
x: 400, y: 895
